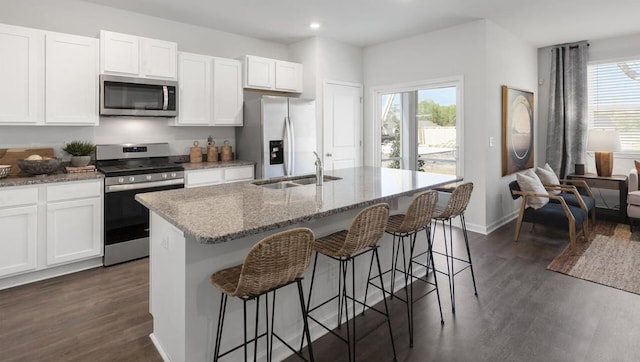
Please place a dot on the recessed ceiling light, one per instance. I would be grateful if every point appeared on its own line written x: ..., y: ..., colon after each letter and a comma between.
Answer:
x: 314, y: 25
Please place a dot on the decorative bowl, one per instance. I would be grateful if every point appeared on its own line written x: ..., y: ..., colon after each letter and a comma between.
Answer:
x: 5, y: 170
x: 39, y: 167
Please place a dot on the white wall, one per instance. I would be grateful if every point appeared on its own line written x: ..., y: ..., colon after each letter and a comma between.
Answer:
x: 325, y: 59
x: 87, y: 19
x: 486, y: 56
x: 600, y: 50
x: 513, y: 62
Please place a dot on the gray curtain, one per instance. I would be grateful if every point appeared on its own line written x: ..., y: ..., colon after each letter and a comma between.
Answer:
x: 568, y: 123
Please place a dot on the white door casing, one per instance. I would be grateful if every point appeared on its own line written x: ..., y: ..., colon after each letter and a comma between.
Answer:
x: 342, y: 113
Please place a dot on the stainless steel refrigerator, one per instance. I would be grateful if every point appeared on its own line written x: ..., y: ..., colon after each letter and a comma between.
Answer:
x: 279, y: 135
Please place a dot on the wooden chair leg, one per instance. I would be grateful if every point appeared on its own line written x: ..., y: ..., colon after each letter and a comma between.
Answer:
x: 572, y: 236
x: 519, y: 224
x: 585, y: 229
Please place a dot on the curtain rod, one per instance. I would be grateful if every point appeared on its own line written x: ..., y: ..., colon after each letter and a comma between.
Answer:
x: 571, y: 45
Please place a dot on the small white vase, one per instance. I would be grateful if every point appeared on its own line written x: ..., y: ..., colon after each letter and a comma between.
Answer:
x: 79, y: 161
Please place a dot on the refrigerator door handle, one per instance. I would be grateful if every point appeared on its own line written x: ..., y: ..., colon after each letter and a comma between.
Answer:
x: 292, y: 147
x: 286, y: 145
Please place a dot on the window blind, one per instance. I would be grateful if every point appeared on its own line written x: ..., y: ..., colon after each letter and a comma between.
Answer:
x: 614, y: 100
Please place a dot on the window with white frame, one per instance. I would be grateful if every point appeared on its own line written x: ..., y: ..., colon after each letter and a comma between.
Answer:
x: 614, y: 100
x: 420, y: 126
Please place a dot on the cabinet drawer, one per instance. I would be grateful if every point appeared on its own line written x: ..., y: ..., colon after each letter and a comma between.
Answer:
x: 238, y: 173
x: 74, y: 190
x: 18, y: 196
x: 204, y: 177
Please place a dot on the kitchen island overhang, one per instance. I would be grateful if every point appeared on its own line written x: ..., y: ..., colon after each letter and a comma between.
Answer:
x: 195, y: 232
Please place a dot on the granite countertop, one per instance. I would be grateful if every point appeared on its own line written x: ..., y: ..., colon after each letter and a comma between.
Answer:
x: 202, y: 165
x: 22, y: 179
x: 25, y: 180
x: 215, y: 214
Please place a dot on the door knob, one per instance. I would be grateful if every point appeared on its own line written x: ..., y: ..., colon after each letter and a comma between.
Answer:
x: 328, y: 155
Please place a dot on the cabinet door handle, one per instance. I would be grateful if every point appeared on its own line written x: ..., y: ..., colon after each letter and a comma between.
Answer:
x: 328, y: 155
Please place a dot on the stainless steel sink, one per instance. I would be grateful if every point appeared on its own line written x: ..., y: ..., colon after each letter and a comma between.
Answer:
x: 281, y: 185
x: 293, y: 181
x: 312, y: 180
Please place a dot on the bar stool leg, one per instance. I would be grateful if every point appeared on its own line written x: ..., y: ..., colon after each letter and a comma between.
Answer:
x: 384, y: 299
x: 221, y: 315
x: 435, y: 275
x: 269, y: 325
x: 452, y: 280
x: 366, y: 288
x: 409, y: 291
x: 341, y: 294
x: 255, y: 331
x: 304, y: 319
x: 244, y: 323
x: 466, y: 241
x: 394, y: 262
x: 353, y: 306
x: 343, y: 299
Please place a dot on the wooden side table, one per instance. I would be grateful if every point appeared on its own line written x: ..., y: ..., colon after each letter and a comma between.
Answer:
x: 614, y: 182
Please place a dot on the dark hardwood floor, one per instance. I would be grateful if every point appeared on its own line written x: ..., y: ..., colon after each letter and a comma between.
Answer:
x: 522, y: 313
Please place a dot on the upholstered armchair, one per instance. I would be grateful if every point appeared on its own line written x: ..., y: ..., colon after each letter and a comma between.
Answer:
x: 633, y: 198
x: 556, y: 213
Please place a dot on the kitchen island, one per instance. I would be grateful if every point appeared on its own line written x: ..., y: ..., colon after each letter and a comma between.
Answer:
x: 195, y: 232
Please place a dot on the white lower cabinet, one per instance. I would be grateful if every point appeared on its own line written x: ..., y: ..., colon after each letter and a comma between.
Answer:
x: 47, y: 226
x: 73, y: 230
x: 18, y: 247
x: 217, y: 175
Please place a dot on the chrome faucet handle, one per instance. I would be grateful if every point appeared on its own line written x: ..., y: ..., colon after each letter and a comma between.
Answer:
x: 318, y: 160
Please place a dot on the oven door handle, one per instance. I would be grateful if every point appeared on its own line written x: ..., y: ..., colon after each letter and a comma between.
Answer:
x: 143, y: 185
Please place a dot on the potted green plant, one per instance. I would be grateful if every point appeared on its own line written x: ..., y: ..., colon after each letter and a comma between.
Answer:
x: 80, y: 152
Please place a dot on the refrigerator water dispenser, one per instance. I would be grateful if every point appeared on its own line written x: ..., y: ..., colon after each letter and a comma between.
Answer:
x: 276, y: 152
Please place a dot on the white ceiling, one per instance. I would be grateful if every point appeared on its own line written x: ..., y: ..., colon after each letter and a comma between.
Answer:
x: 369, y: 22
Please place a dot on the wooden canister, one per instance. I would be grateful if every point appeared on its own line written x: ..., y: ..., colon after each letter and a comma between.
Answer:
x: 195, y: 154
x: 212, y: 153
x: 227, y: 154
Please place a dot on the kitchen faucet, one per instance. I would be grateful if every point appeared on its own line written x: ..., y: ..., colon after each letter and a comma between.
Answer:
x: 319, y: 172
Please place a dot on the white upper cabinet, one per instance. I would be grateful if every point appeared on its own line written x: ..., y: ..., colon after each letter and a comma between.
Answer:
x: 259, y: 72
x: 210, y: 91
x: 119, y: 53
x: 21, y: 75
x: 227, y: 92
x: 71, y: 79
x: 131, y: 55
x: 195, y: 89
x: 271, y: 74
x: 159, y: 58
x: 288, y: 76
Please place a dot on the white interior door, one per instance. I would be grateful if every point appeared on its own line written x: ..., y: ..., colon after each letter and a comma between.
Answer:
x: 342, y: 125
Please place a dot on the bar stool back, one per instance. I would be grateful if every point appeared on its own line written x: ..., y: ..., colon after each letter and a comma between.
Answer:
x: 455, y: 207
x: 344, y: 246
x: 272, y: 263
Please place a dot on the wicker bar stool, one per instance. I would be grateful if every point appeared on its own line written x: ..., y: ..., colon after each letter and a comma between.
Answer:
x: 455, y: 207
x: 272, y: 263
x: 406, y: 227
x: 344, y: 246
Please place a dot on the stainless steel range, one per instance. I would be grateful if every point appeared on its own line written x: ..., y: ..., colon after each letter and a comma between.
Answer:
x: 130, y: 169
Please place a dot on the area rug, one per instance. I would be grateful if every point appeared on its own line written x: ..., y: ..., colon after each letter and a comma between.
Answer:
x: 611, y: 257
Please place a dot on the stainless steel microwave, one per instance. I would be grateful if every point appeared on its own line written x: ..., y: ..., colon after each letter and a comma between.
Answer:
x: 128, y: 96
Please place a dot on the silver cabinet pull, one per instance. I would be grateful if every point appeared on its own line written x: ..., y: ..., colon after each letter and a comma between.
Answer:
x: 328, y: 155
